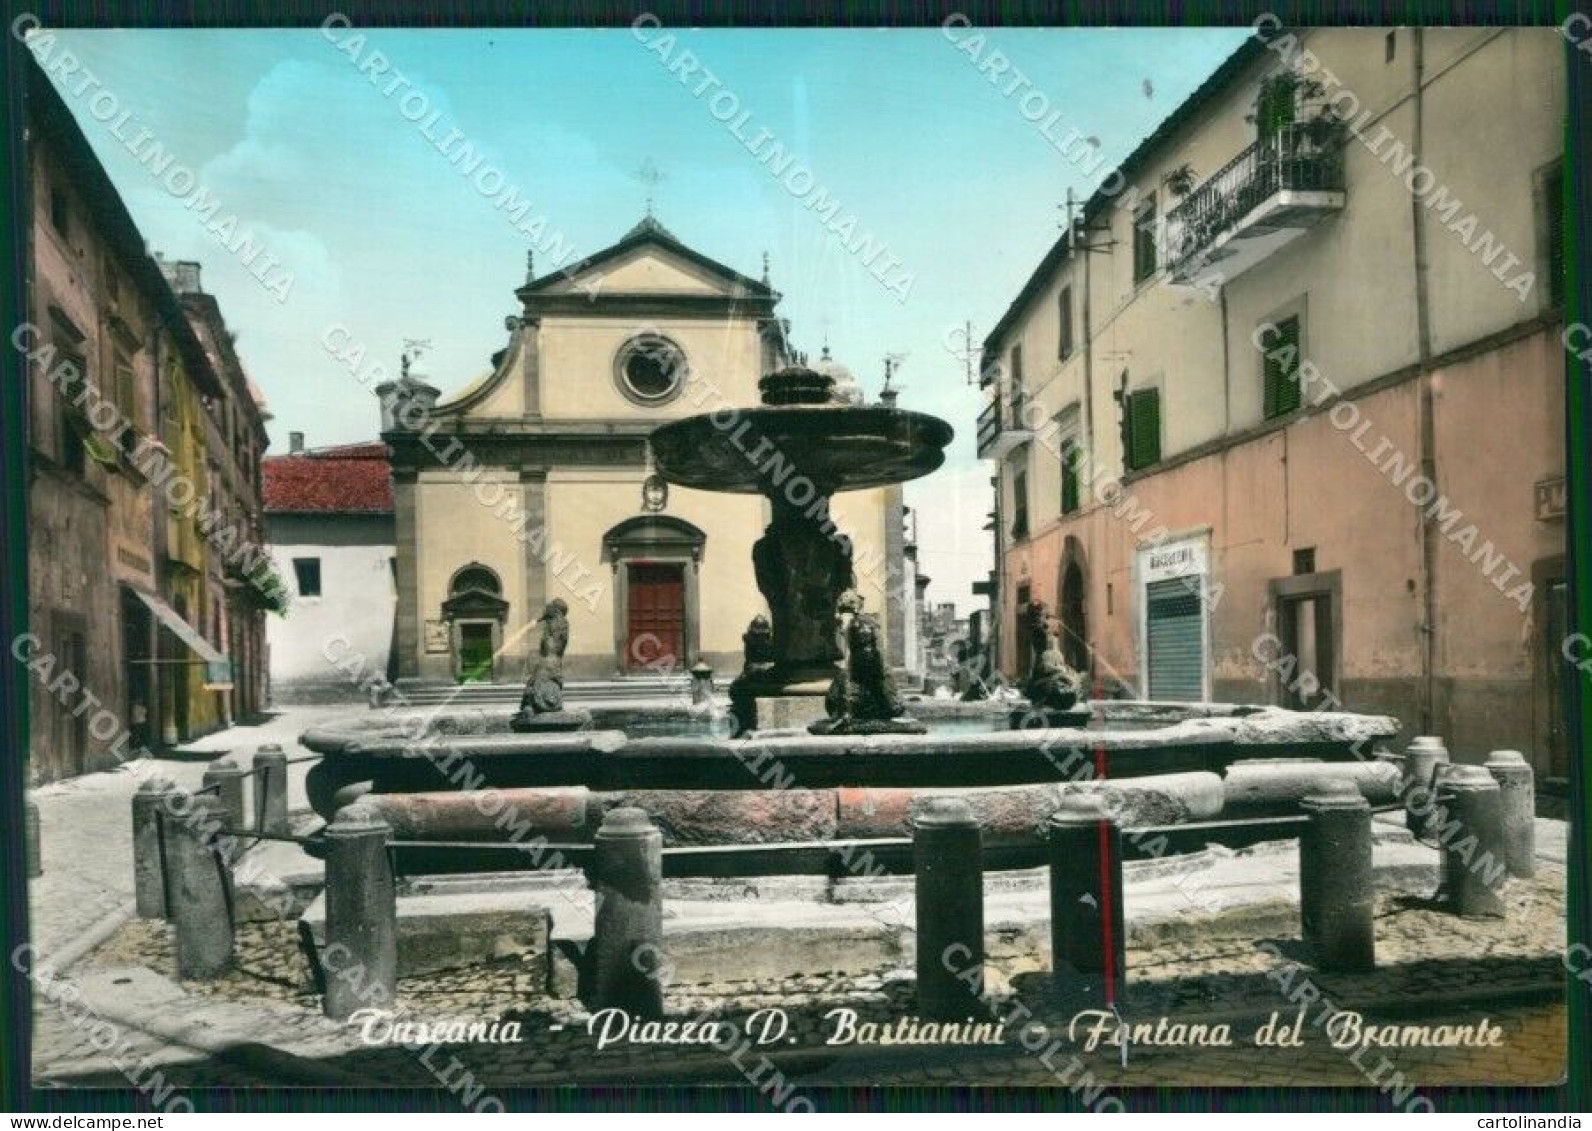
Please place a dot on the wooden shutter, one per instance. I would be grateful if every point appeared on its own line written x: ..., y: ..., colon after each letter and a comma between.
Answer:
x: 1144, y: 428
x: 1280, y: 369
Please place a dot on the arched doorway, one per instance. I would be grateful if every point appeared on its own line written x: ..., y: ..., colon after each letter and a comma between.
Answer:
x: 475, y: 611
x: 655, y: 559
x: 1074, y: 609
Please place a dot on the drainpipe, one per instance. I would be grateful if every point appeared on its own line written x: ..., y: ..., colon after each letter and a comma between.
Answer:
x: 1428, y: 438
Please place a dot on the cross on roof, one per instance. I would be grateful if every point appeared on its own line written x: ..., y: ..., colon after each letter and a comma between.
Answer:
x: 650, y: 175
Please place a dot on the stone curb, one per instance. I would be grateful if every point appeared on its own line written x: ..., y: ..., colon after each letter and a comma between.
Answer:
x: 88, y: 941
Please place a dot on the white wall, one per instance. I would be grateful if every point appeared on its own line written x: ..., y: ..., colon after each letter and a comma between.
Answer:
x: 356, y: 605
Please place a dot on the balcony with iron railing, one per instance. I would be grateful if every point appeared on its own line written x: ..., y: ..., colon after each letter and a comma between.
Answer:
x: 1259, y: 202
x: 1002, y: 426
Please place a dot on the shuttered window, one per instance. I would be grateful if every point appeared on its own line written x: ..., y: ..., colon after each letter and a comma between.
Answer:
x: 1143, y: 431
x: 1064, y: 324
x: 1020, y: 505
x: 1144, y: 241
x: 1069, y: 478
x: 1280, y: 368
x: 1175, y: 640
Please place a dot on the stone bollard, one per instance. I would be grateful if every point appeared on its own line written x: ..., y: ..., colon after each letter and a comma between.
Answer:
x: 1421, y: 761
x: 1087, y: 929
x: 1474, y: 869
x: 701, y: 683
x: 149, y: 851
x: 360, y: 961
x: 947, y: 857
x: 627, y: 938
x: 199, y: 883
x: 1337, y: 888
x: 270, y: 790
x: 30, y: 838
x: 227, y: 778
x: 1519, y: 801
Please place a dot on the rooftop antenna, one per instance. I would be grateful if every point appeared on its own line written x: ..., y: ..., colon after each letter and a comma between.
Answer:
x: 649, y: 174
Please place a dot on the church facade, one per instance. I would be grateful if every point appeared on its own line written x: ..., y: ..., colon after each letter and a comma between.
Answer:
x: 534, y: 482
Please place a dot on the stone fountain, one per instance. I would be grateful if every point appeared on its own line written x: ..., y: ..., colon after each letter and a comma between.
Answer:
x: 802, y: 446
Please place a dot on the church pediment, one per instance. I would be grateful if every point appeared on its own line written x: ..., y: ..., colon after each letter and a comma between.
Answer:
x: 648, y: 262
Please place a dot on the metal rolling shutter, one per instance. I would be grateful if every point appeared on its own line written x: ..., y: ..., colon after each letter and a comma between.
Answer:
x: 1176, y: 640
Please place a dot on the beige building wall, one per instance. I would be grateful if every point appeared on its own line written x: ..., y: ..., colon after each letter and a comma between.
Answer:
x: 1407, y: 337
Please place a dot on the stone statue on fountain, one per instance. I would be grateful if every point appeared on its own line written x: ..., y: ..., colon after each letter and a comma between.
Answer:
x: 542, y: 704
x: 863, y: 699
x: 1053, y: 687
x: 757, y: 646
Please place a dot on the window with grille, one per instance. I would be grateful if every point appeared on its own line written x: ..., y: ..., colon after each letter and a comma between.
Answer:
x: 1064, y: 324
x: 1280, y: 368
x: 1142, y: 434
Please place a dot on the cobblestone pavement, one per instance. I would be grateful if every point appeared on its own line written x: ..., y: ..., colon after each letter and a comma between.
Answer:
x: 85, y: 823
x: 1433, y: 969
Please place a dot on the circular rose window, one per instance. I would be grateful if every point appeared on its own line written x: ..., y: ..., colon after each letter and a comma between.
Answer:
x: 650, y: 369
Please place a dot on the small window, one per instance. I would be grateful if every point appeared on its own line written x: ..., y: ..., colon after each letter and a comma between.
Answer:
x: 1017, y: 366
x: 1069, y: 477
x: 1144, y: 240
x: 60, y: 213
x: 1143, y: 429
x: 1020, y: 503
x: 1064, y: 324
x: 307, y: 573
x: 1280, y: 368
x: 1391, y: 46
x: 1304, y: 560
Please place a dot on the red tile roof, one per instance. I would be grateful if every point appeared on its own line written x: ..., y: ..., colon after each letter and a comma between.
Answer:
x: 349, y: 479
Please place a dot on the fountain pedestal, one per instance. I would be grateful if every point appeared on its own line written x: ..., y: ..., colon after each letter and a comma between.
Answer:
x: 797, y: 449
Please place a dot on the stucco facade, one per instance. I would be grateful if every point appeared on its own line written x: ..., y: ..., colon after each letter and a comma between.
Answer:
x: 527, y: 485
x: 1385, y: 531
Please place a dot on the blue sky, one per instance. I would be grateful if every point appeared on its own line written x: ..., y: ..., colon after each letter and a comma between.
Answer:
x: 382, y: 235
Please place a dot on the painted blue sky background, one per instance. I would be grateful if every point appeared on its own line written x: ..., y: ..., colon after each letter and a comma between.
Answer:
x: 384, y: 236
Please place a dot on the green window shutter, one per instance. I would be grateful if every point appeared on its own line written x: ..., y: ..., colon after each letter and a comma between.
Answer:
x: 1069, y: 479
x: 1280, y: 369
x: 1144, y: 428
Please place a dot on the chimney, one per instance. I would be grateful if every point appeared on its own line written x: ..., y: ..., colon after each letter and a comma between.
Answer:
x: 182, y: 274
x: 295, y: 443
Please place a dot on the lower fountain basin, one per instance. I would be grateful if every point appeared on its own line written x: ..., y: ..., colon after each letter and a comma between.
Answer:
x: 668, y: 749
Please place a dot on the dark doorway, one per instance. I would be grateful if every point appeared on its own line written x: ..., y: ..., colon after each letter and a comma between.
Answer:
x: 655, y: 619
x: 1074, y: 625
x: 1025, y: 648
x: 475, y: 652
x: 137, y: 639
x: 1310, y: 632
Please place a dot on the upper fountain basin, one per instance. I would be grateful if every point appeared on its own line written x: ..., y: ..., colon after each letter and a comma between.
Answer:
x: 838, y: 447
